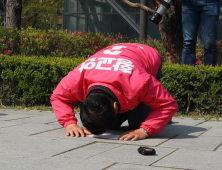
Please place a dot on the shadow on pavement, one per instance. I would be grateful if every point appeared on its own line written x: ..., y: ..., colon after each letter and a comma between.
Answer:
x: 170, y: 131
x: 2, y: 114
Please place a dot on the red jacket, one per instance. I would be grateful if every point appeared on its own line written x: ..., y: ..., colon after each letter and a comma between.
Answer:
x: 129, y: 71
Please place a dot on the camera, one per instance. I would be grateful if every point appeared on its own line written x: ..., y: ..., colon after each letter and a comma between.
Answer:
x: 157, y: 16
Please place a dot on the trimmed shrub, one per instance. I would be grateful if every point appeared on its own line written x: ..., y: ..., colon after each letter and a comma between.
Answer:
x: 31, y: 80
x: 195, y: 88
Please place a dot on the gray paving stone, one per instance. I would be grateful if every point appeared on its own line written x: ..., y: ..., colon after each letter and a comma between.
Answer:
x: 214, y: 131
x: 186, y: 121
x: 51, y: 164
x: 34, y: 119
x: 183, y: 129
x: 120, y: 166
x: 192, y: 159
x: 28, y: 129
x: 152, y: 141
x: 211, y: 124
x: 89, y: 151
x: 191, y: 142
x: 36, y: 147
x: 10, y: 116
x: 219, y: 149
x: 129, y: 154
x: 8, y: 124
x: 34, y: 140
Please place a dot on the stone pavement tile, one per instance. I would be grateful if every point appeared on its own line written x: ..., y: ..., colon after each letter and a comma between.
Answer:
x: 40, y: 118
x: 120, y: 166
x: 14, y: 116
x: 22, y: 111
x: 152, y: 141
x: 191, y: 142
x: 219, y: 149
x: 33, y: 147
x: 183, y: 129
x: 8, y: 124
x: 88, y: 151
x: 192, y: 159
x: 28, y: 129
x: 211, y: 124
x: 213, y: 131
x: 128, y: 154
x: 53, y: 163
x: 187, y: 121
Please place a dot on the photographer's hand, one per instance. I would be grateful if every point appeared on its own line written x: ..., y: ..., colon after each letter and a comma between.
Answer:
x: 74, y: 130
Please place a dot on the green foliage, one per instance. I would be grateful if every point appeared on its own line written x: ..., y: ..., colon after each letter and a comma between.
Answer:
x: 31, y: 80
x: 195, y: 88
x: 76, y: 44
x: 40, y: 13
x: 7, y: 35
x: 63, y: 44
x: 47, y: 56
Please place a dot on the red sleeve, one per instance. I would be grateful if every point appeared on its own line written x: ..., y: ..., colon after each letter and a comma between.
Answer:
x: 162, y: 103
x: 63, y: 100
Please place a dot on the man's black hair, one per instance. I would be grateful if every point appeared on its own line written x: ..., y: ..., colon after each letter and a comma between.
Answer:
x: 97, y: 112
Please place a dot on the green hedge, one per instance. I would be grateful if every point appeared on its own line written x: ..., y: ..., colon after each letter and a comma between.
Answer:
x: 195, y: 88
x: 31, y: 80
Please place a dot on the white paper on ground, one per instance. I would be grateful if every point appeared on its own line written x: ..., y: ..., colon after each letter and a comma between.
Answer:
x: 105, y: 136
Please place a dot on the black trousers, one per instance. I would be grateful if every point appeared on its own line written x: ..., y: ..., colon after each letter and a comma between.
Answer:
x: 136, y: 115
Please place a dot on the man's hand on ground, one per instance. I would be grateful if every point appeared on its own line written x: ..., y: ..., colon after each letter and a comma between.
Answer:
x: 76, y: 131
x: 133, y: 135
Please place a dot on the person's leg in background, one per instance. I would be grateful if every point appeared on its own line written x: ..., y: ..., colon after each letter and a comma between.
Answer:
x: 191, y: 22
x: 210, y: 11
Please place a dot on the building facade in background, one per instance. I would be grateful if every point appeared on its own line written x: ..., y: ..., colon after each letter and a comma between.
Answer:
x: 102, y: 16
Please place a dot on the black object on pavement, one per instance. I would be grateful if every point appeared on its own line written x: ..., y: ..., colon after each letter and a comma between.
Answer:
x: 146, y: 151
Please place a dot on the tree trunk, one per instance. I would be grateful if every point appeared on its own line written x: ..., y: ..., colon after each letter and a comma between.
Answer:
x: 13, y: 20
x: 170, y: 28
x: 171, y: 33
x: 2, y: 12
x: 13, y: 13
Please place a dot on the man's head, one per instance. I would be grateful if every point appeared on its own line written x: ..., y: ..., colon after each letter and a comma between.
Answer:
x: 97, y: 112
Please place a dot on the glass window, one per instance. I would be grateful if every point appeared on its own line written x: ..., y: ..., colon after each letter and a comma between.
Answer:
x: 99, y: 6
x: 126, y: 8
x: 135, y: 18
x: 120, y: 26
x: 219, y: 28
x: 220, y: 6
x: 75, y: 6
x: 75, y: 23
x: 99, y: 23
x: 99, y: 16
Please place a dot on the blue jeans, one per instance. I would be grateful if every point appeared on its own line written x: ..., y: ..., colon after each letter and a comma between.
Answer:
x: 194, y: 13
